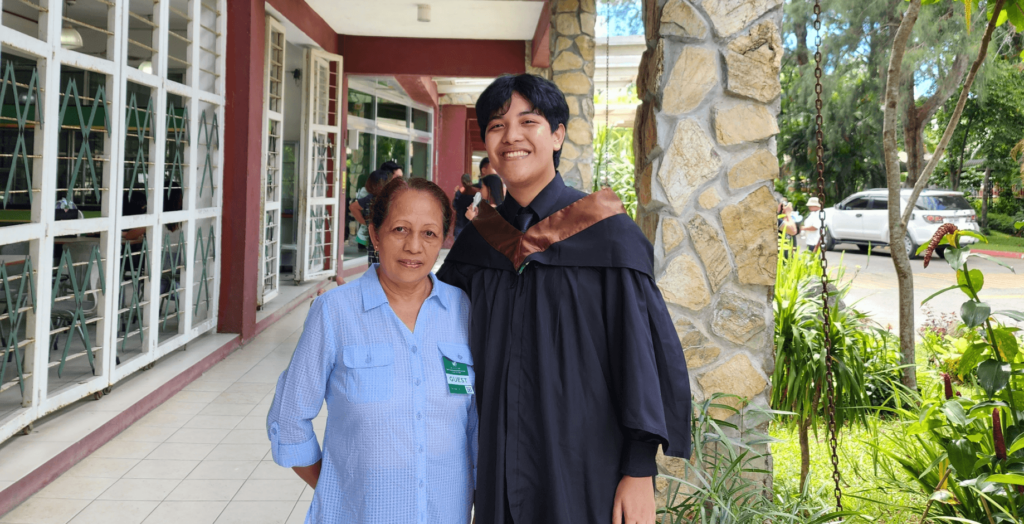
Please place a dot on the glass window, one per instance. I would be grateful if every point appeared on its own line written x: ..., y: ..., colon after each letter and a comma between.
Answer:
x: 420, y: 120
x: 857, y: 203
x: 360, y: 104
x: 359, y: 163
x: 395, y: 149
x: 289, y: 231
x: 942, y: 203
x: 391, y: 113
x: 879, y: 203
x: 419, y: 165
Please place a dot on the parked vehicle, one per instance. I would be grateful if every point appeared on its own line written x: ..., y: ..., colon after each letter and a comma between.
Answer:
x: 863, y: 218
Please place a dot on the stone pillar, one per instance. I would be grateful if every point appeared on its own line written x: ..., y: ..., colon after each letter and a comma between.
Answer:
x: 705, y: 159
x: 572, y: 67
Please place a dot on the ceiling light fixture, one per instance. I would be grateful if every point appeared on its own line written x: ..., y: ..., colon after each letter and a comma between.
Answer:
x: 423, y: 12
x: 146, y: 66
x: 70, y: 38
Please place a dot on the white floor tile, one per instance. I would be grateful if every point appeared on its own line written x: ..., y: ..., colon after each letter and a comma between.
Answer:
x: 186, y: 512
x: 224, y: 469
x: 115, y: 512
x: 101, y: 467
x: 125, y: 449
x: 268, y: 470
x: 206, y: 490
x: 253, y: 512
x: 246, y: 436
x: 239, y: 451
x: 162, y: 469
x: 180, y: 451
x: 67, y: 487
x: 161, y: 419
x: 213, y: 422
x: 139, y: 489
x: 238, y: 410
x: 146, y: 433
x: 44, y: 511
x: 271, y: 490
x: 198, y: 436
x: 253, y: 422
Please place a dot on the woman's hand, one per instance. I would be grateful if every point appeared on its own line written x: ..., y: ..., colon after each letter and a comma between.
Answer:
x: 634, y: 501
x: 471, y: 213
x: 309, y: 474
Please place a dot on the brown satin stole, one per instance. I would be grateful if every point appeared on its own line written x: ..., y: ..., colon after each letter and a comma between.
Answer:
x: 564, y: 223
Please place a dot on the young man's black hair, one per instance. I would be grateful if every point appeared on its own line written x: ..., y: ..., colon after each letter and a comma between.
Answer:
x: 390, y: 167
x: 547, y: 100
x: 484, y: 163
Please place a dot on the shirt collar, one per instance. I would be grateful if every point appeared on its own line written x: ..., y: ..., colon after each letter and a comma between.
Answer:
x: 544, y: 204
x: 374, y: 296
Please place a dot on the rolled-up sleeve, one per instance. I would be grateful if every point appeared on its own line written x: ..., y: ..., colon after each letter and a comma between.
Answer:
x: 300, y: 392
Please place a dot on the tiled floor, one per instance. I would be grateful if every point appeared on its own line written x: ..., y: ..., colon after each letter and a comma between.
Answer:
x: 202, y: 457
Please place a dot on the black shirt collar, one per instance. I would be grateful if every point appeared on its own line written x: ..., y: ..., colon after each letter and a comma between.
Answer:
x: 544, y: 204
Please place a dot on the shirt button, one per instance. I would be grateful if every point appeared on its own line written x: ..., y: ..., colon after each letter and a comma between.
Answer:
x: 414, y: 349
x: 417, y: 382
x: 421, y: 484
x: 419, y: 416
x: 421, y: 449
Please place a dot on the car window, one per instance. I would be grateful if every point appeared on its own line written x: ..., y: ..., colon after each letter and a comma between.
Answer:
x: 942, y: 203
x: 857, y: 203
x: 879, y: 203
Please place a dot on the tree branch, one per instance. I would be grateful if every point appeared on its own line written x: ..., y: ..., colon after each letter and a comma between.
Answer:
x: 954, y: 120
x: 945, y: 90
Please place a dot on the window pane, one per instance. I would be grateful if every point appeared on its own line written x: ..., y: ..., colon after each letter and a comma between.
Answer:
x: 359, y: 163
x: 391, y: 113
x: 419, y: 166
x: 420, y: 120
x: 392, y: 149
x: 360, y: 104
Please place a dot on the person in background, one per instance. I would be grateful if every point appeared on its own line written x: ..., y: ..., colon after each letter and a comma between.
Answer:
x: 392, y: 169
x: 486, y: 168
x: 787, y: 226
x: 389, y: 354
x: 493, y: 189
x: 463, y: 200
x: 360, y: 210
x: 812, y: 224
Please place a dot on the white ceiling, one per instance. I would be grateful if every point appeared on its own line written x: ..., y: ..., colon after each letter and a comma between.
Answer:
x: 468, y: 19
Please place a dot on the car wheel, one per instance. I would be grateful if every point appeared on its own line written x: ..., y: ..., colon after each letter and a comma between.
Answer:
x: 827, y: 242
x: 940, y: 252
x: 909, y: 247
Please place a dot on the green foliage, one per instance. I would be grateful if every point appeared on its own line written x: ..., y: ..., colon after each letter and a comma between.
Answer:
x: 1003, y: 223
x: 715, y: 487
x: 613, y: 164
x: 800, y: 352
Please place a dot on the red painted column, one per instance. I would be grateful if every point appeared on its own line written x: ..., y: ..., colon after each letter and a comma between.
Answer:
x: 450, y: 141
x: 242, y: 150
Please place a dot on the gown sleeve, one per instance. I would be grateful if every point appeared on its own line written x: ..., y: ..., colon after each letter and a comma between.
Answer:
x: 301, y: 390
x: 649, y: 378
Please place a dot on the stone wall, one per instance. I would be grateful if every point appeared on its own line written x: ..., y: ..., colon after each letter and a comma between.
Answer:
x: 705, y: 160
x: 572, y: 68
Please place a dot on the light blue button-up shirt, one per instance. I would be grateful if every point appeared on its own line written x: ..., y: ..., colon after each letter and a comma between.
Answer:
x: 399, y: 447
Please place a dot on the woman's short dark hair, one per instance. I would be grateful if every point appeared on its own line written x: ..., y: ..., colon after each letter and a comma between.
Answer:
x: 495, y: 187
x: 376, y: 182
x: 390, y: 167
x: 547, y: 99
x: 467, y: 181
x: 381, y: 206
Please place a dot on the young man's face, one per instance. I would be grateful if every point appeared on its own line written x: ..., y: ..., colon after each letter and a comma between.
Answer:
x: 520, y: 144
x: 487, y: 170
x: 397, y: 174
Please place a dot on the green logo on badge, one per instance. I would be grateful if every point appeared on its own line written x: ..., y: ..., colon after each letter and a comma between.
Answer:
x: 458, y: 377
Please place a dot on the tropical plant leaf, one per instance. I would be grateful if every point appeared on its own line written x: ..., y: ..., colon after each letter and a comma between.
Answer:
x: 939, y: 292
x: 974, y: 234
x: 970, y: 359
x: 993, y: 376
x: 1016, y: 480
x: 1016, y: 315
x: 994, y: 260
x: 974, y: 313
x: 956, y: 256
x: 1006, y: 341
x: 977, y: 281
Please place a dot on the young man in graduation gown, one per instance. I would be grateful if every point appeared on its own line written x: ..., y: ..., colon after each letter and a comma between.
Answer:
x: 579, y: 372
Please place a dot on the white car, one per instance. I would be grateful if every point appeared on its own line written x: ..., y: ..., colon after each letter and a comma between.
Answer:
x: 863, y: 219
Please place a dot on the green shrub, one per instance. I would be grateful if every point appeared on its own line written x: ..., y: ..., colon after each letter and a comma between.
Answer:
x: 1003, y: 223
x: 1007, y: 205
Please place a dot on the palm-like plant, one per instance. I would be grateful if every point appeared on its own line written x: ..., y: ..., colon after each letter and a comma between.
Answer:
x: 613, y: 164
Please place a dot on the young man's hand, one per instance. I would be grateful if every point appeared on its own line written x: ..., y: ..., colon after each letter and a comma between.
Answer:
x: 634, y: 501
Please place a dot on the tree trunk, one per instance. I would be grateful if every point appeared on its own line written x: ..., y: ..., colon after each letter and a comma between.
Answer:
x: 986, y: 196
x: 805, y: 452
x: 918, y: 117
x: 913, y: 138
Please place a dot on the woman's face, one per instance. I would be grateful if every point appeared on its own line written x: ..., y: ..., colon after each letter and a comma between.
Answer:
x: 410, y: 238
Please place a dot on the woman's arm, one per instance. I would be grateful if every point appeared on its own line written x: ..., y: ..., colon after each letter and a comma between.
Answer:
x: 309, y: 474
x: 357, y: 212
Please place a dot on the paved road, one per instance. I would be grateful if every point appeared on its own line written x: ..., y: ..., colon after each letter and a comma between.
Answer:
x: 875, y: 288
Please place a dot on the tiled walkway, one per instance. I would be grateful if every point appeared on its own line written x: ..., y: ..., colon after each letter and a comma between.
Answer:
x: 202, y: 457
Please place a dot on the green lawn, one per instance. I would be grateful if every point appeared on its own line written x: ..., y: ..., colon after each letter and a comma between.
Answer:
x: 1002, y: 242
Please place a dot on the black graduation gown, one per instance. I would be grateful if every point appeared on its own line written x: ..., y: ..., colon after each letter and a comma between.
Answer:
x: 579, y: 372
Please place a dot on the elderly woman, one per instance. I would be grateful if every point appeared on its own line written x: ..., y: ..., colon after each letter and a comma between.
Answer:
x: 390, y: 355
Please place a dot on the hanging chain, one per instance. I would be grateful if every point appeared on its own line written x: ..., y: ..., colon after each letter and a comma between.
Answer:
x: 826, y: 317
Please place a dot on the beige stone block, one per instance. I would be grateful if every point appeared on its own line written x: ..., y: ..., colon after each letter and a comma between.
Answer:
x: 699, y: 357
x: 586, y: 46
x: 587, y: 106
x: 671, y: 234
x: 566, y: 24
x: 567, y: 6
x: 588, y: 69
x: 580, y: 131
x: 652, y: 67
x: 565, y: 166
x: 561, y: 44
x: 588, y: 22
x: 737, y: 376
x: 690, y: 161
x: 645, y: 135
x: 588, y: 6
x: 709, y: 198
x: 566, y: 61
x: 694, y: 75
x: 750, y: 232
x: 574, y: 83
x: 683, y: 284
x: 574, y: 105
x: 760, y: 166
x: 643, y: 185
x: 711, y: 250
x: 679, y: 18
x: 753, y: 63
x: 652, y: 20
x: 569, y: 151
x: 739, y: 319
x: 729, y: 16
x: 586, y: 175
x: 744, y: 123
x: 689, y: 335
